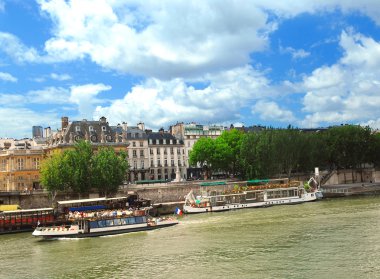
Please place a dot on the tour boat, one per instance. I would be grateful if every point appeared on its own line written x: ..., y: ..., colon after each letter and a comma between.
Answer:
x: 107, y: 222
x: 102, y: 216
x: 213, y: 201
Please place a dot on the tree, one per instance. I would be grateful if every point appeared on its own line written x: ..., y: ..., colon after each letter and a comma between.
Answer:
x: 109, y: 170
x: 53, y: 174
x: 233, y: 139
x: 202, y: 154
x: 79, y: 170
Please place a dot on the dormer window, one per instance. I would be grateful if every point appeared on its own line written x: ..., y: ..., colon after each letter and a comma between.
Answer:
x: 104, y: 128
x: 91, y: 129
x: 77, y: 128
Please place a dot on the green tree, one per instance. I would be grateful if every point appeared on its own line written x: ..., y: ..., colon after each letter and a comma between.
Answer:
x: 233, y: 139
x: 202, y: 154
x: 80, y: 170
x: 54, y: 175
x: 109, y: 170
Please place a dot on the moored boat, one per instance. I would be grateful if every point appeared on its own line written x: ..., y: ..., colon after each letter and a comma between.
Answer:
x: 98, y: 220
x: 214, y: 201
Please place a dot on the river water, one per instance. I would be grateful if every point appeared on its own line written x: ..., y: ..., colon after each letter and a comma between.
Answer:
x: 333, y: 238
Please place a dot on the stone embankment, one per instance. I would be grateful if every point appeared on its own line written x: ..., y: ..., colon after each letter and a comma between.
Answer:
x: 166, y: 197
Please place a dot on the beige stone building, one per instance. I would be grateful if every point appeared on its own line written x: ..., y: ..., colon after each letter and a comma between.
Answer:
x: 19, y: 165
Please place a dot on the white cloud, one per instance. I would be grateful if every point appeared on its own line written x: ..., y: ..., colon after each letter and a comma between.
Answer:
x: 7, y: 77
x: 348, y: 91
x: 60, y: 77
x: 140, y: 37
x: 20, y: 121
x: 14, y: 48
x: 270, y: 111
x: 295, y: 53
x: 162, y: 103
x: 84, y: 96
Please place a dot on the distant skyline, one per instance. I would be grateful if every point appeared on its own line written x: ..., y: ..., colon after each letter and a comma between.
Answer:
x: 273, y: 63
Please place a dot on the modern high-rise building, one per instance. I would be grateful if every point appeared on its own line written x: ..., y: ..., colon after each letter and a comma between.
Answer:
x: 37, y: 132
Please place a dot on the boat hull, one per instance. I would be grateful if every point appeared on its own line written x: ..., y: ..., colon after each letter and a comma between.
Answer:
x: 79, y: 234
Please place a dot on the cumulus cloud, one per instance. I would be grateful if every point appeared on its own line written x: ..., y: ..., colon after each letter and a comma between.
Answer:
x: 161, y: 103
x: 20, y: 121
x: 140, y: 37
x: 295, y: 53
x: 271, y: 111
x: 60, y: 77
x: 347, y: 91
x: 7, y: 77
x: 84, y: 96
x: 13, y: 47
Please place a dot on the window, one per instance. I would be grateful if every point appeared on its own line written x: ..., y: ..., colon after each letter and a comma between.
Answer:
x: 172, y: 163
x: 135, y: 164
x: 134, y: 153
x: 165, y: 153
x: 90, y: 128
x: 178, y: 151
x: 77, y: 128
x: 3, y: 165
x: 20, y: 163
x: 159, y: 162
x: 151, y: 151
x: 164, y: 141
x: 171, y: 141
x: 179, y: 163
x: 171, y: 150
x: 166, y: 163
x: 36, y: 163
x: 141, y: 153
x: 142, y: 164
x: 158, y: 151
x: 137, y: 135
x: 141, y: 144
x: 104, y: 128
x: 150, y: 141
x: 133, y: 143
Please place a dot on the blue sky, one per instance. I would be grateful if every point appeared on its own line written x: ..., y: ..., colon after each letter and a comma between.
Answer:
x: 304, y: 63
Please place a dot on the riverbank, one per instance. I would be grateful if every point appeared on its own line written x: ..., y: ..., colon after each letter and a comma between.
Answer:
x: 166, y: 197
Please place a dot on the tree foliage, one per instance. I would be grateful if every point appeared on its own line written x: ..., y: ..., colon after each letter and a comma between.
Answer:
x: 281, y: 152
x: 79, y: 170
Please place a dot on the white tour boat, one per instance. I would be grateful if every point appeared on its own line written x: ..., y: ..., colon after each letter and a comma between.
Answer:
x: 213, y: 201
x: 102, y: 216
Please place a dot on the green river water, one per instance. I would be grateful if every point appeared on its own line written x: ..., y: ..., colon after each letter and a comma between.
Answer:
x: 332, y: 238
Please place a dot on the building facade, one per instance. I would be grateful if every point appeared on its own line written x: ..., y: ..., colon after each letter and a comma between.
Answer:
x: 166, y: 156
x: 190, y: 134
x: 20, y: 165
x: 138, y: 158
x: 98, y: 133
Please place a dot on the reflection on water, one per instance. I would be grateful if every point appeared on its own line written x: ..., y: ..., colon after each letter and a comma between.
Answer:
x: 327, y: 239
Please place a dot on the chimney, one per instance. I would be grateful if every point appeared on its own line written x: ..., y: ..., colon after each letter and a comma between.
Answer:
x: 65, y: 122
x: 103, y: 120
x: 125, y: 126
x: 141, y: 126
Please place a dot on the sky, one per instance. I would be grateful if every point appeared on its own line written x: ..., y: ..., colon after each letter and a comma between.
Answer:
x: 242, y: 62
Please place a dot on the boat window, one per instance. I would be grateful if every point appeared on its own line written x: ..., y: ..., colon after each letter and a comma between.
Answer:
x: 109, y: 223
x: 131, y: 220
x: 93, y: 224
x: 102, y: 223
x: 139, y: 220
x: 117, y: 222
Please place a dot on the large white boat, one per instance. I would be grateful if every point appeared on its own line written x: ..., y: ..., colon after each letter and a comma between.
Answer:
x: 84, y: 220
x: 214, y: 201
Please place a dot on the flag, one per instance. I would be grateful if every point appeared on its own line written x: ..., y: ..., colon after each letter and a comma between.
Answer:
x: 178, y: 211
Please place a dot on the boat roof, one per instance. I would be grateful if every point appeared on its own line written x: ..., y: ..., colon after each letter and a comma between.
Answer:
x: 82, y: 201
x: 28, y: 210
